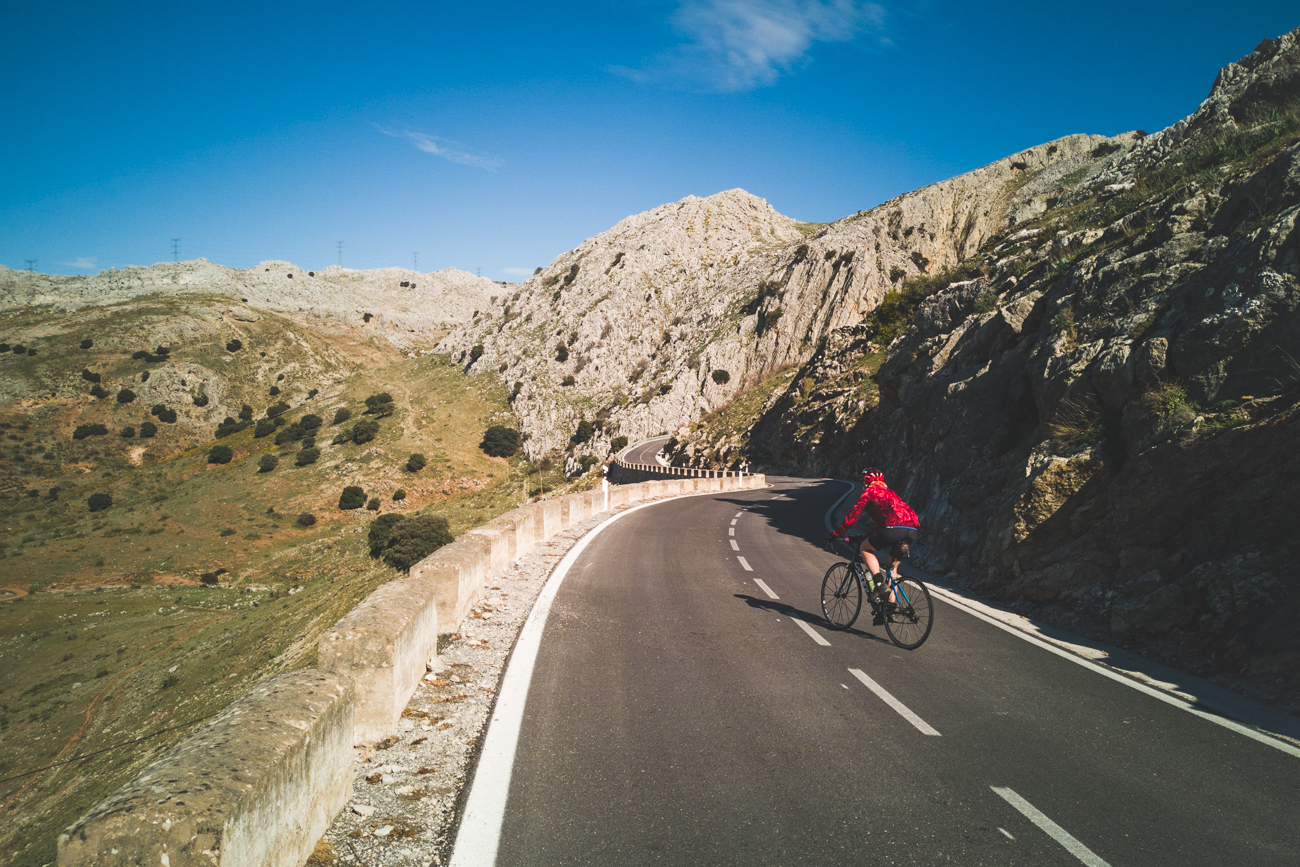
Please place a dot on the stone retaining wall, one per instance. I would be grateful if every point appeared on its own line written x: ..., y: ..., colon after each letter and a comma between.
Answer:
x: 622, y: 472
x: 260, y: 784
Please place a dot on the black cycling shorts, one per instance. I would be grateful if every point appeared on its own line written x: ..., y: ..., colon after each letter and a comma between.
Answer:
x: 890, y: 537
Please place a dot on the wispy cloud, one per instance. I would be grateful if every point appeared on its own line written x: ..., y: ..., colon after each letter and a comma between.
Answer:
x: 86, y: 262
x: 520, y: 272
x: 745, y: 44
x: 445, y: 148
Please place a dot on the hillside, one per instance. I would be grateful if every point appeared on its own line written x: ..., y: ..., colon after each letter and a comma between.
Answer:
x: 1096, y: 410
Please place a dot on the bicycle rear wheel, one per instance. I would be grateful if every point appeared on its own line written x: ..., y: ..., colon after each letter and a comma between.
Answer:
x: 910, y: 616
x: 841, y: 596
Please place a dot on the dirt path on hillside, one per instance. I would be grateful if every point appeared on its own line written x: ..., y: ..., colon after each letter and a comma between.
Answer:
x: 9, y: 594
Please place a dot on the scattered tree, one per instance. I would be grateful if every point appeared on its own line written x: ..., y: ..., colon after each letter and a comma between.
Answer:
x: 414, y: 538
x: 265, y: 427
x: 373, y: 505
x: 89, y: 376
x: 267, y: 463
x: 245, y: 413
x: 148, y: 429
x: 476, y: 353
x: 380, y: 404
x: 98, y: 391
x: 618, y: 443
x: 561, y: 352
x: 310, y: 422
x: 220, y: 454
x: 500, y: 441
x: 87, y: 343
x: 584, y: 432
x: 381, y: 529
x: 126, y: 395
x: 128, y: 432
x: 306, y: 519
x: 415, y: 462
x: 234, y: 345
x: 313, y: 393
x: 568, y: 380
x: 721, y: 377
x: 201, y: 400
x: 341, y: 415
x: 353, y: 497
x: 277, y: 409
x: 307, y: 456
x: 99, y: 502
x: 275, y: 389
x: 89, y: 430
x: 364, y: 431
x: 399, y: 495
x: 289, y: 434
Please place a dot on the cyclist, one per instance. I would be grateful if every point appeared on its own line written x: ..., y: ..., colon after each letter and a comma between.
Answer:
x: 896, y: 524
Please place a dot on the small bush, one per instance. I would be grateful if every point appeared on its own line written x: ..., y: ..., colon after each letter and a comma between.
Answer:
x: 220, y: 454
x: 89, y: 376
x: 275, y: 389
x: 144, y: 377
x: 380, y: 404
x: 148, y: 429
x: 568, y: 380
x: 500, y: 441
x: 277, y: 409
x: 415, y: 462
x: 99, y: 502
x: 289, y: 434
x: 227, y: 427
x: 245, y: 413
x: 234, y: 345
x: 561, y: 352
x: 381, y: 529
x: 89, y: 430
x: 265, y: 427
x: 128, y: 432
x: 98, y: 391
x: 306, y: 519
x: 310, y: 422
x: 399, y: 495
x: 618, y: 443
x: 476, y: 353
x: 721, y: 377
x: 164, y: 414
x: 353, y: 497
x: 364, y: 431
x: 373, y: 505
x: 126, y: 395
x: 313, y: 393
x: 584, y: 432
x: 341, y: 415
x: 896, y: 273
x: 306, y: 456
x: 343, y: 436
x: 366, y: 317
x: 87, y: 343
x: 986, y: 303
x: 267, y: 463
x: 201, y: 400
x: 208, y: 579
x: 921, y: 263
x: 414, y: 538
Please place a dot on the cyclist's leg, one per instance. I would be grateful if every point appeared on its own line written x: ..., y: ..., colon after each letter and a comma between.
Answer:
x: 869, y: 557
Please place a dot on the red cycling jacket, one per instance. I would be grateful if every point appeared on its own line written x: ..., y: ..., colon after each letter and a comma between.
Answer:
x: 885, y: 507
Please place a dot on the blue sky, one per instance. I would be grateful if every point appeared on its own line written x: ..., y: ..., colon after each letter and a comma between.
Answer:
x: 497, y: 135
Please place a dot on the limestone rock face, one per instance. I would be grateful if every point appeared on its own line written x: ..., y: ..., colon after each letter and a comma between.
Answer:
x: 426, y: 307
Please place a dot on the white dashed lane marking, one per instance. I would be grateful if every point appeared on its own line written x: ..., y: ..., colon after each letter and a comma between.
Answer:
x: 1053, y: 830
x: 812, y: 633
x: 731, y: 531
x: 734, y: 546
x: 903, y: 710
x: 768, y: 590
x: 745, y: 564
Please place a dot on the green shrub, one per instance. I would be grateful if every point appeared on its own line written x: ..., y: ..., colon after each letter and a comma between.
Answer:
x: 201, y: 400
x: 307, y: 456
x: 245, y: 413
x: 274, y: 390
x: 373, y: 505
x: 144, y: 377
x: 208, y: 579
x: 414, y: 538
x: 267, y: 463
x: 896, y: 273
x: 88, y: 376
x: 164, y: 414
x: 415, y: 462
x: 220, y: 454
x: 618, y: 443
x: 381, y: 529
x: 313, y: 393
x: 126, y: 395
x: 89, y: 430
x: 561, y: 352
x: 353, y: 497
x: 986, y: 303
x: 306, y: 519
x: 98, y: 391
x: 87, y: 343
x: 227, y: 427
x: 229, y: 531
x: 128, y: 432
x: 921, y: 263
x: 265, y: 427
x: 148, y: 429
x: 310, y: 422
x: 584, y: 432
x: 99, y: 502
x: 380, y: 405
x: 364, y: 431
x: 568, y: 380
x: 277, y: 409
x: 234, y: 345
x: 476, y: 353
x: 341, y: 415
x: 289, y: 434
x: 399, y: 495
x: 500, y: 441
x: 721, y: 377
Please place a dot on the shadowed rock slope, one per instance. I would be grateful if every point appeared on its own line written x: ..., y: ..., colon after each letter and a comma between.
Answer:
x: 1098, y: 411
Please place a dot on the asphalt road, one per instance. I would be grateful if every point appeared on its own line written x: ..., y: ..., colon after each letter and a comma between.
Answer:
x: 678, y: 714
x: 644, y: 453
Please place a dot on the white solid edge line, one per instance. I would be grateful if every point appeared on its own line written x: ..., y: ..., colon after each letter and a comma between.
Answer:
x: 812, y: 633
x: 903, y: 710
x: 745, y: 563
x: 957, y: 602
x: 1053, y: 830
x: 768, y: 590
x: 479, y: 833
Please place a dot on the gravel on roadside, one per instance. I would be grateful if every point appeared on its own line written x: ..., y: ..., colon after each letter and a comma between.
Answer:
x: 409, y: 788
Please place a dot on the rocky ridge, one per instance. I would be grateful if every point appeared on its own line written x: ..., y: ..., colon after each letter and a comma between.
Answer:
x: 406, y: 307
x: 1097, y: 413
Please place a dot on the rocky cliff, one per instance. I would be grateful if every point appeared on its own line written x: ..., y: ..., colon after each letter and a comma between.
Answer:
x: 1097, y: 410
x: 405, y: 307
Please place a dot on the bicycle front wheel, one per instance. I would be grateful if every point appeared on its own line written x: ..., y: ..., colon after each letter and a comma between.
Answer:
x: 841, y: 596
x: 909, y: 618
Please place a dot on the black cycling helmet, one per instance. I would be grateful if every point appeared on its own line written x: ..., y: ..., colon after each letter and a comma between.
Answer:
x: 870, y: 474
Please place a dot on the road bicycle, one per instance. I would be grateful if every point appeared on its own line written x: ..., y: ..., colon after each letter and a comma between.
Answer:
x: 902, y: 604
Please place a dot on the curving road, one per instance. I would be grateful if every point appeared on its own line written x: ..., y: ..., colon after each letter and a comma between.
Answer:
x: 686, y: 709
x: 644, y: 453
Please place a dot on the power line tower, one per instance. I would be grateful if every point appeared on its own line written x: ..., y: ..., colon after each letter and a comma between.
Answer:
x: 176, y: 249
x: 415, y: 262
x: 479, y: 271
x: 31, y: 266
x: 339, y: 245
